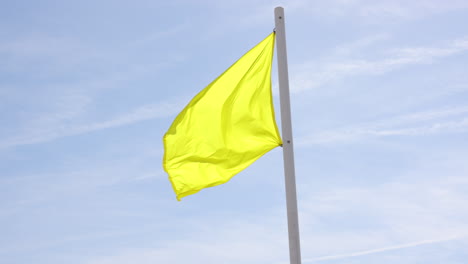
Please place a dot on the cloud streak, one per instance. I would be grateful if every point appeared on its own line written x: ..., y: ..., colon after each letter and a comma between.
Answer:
x: 385, y: 11
x: 59, y: 130
x: 441, y: 121
x: 311, y: 75
x: 383, y: 249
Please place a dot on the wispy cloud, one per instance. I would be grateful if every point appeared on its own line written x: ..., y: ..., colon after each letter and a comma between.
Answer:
x: 55, y: 127
x: 349, y: 48
x: 387, y: 11
x: 313, y: 75
x: 383, y: 249
x: 43, y: 49
x: 419, y: 207
x: 43, y: 53
x: 448, y: 120
x: 404, y: 9
x: 36, y: 189
x: 400, y: 211
x: 242, y: 241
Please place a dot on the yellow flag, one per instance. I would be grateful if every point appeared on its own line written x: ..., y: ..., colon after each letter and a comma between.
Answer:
x: 226, y: 127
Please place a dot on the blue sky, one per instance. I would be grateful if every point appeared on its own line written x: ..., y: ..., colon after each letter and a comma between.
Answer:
x: 379, y: 94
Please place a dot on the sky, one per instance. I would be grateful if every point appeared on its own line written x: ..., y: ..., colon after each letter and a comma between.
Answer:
x: 379, y: 95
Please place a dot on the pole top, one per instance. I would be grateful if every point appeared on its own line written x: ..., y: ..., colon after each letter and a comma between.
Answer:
x: 279, y: 12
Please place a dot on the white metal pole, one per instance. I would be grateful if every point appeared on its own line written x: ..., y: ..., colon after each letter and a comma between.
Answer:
x: 288, y: 151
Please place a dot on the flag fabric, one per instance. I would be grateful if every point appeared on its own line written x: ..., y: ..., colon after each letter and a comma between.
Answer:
x: 226, y: 127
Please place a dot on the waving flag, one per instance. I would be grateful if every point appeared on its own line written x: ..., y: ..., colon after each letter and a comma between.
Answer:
x: 224, y: 128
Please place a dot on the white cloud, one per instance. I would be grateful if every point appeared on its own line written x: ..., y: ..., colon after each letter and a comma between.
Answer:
x: 415, y: 210
x: 313, y: 75
x: 350, y: 48
x: 51, y: 127
x: 426, y: 205
x: 440, y: 121
x: 384, y: 249
x: 226, y: 241
x: 369, y: 11
x: 42, y: 53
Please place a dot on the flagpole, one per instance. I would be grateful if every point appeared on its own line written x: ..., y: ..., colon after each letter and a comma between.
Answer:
x: 288, y: 150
